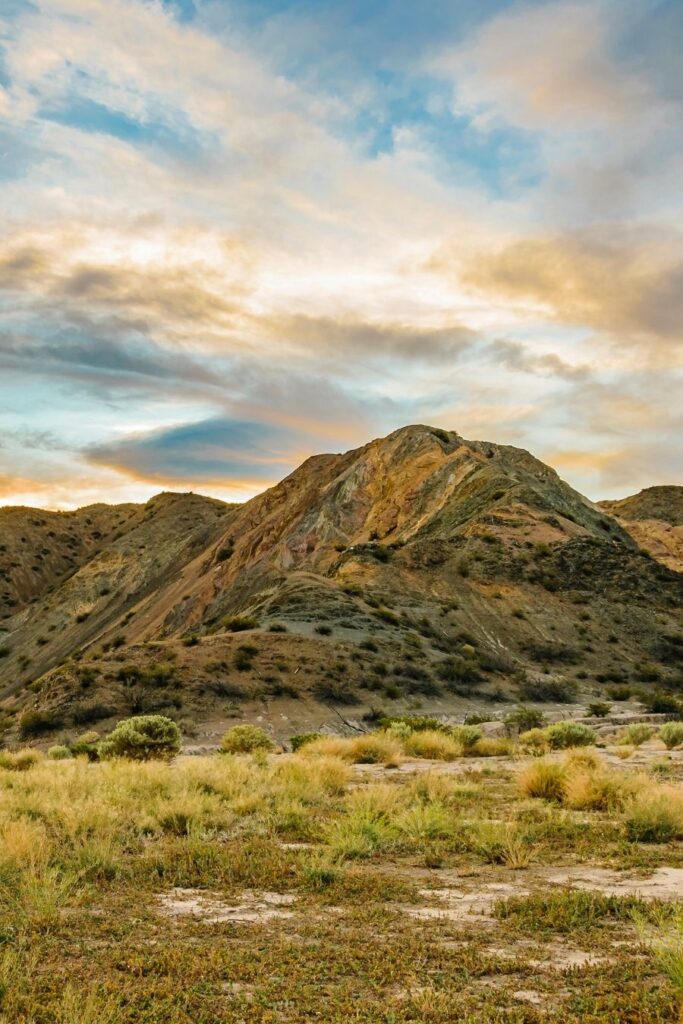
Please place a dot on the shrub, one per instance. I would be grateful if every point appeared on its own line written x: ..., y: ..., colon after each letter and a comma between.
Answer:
x: 244, y: 739
x: 19, y: 760
x: 323, y: 630
x: 660, y: 703
x: 238, y: 623
x: 459, y: 671
x: 569, y: 734
x: 329, y: 746
x: 335, y: 690
x: 534, y: 741
x: 376, y: 748
x: 599, y: 709
x: 466, y: 735
x: 559, y: 691
x: 59, y: 753
x: 86, y: 746
x: 655, y: 815
x: 594, y: 790
x: 143, y: 738
x: 522, y: 719
x: 544, y: 779
x: 433, y: 744
x: 619, y: 692
x: 87, y: 713
x: 549, y: 652
x: 35, y: 723
x: 302, y: 738
x: 637, y: 734
x: 671, y: 734
x: 491, y: 746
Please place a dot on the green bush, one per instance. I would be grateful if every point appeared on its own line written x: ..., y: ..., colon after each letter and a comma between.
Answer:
x: 238, y: 623
x: 619, y: 692
x: 87, y: 746
x: 522, y: 719
x: 559, y: 691
x: 468, y: 735
x: 35, y: 723
x: 637, y: 734
x: 661, y: 703
x: 87, y: 713
x: 569, y: 734
x: 59, y: 753
x: 302, y: 738
x: 671, y: 734
x: 599, y: 709
x: 243, y: 739
x: 143, y: 738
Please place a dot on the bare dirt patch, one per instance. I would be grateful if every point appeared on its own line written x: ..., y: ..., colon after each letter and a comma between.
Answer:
x: 209, y: 908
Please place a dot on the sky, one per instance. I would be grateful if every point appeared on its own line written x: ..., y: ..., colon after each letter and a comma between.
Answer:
x: 235, y: 233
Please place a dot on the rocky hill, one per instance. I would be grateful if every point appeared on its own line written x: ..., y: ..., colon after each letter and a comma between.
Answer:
x: 654, y: 518
x: 421, y: 570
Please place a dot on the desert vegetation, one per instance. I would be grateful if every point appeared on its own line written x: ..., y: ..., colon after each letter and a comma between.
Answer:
x: 138, y: 884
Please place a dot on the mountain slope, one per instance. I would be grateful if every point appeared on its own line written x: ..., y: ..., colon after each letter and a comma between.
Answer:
x: 420, y: 567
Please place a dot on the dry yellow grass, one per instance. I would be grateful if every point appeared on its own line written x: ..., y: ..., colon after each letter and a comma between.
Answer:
x: 433, y: 745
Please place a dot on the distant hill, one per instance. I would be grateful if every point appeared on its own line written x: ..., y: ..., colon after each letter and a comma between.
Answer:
x: 421, y: 570
x: 654, y: 518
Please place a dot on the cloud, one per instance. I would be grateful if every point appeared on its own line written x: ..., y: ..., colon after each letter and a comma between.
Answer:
x: 626, y: 283
x: 217, y: 450
x: 545, y: 66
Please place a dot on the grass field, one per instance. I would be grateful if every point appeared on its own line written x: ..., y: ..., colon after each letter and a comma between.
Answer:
x: 388, y: 879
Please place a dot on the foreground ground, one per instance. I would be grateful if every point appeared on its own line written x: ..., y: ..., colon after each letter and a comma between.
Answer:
x: 304, y: 887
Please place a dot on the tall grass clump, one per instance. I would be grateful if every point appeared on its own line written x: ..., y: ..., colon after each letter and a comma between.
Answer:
x: 434, y: 745
x: 19, y: 760
x: 655, y: 815
x: 544, y: 779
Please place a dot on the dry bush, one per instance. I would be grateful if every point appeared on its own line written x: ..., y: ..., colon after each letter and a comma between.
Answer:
x: 491, y: 746
x: 655, y: 814
x: 433, y: 745
x: 544, y: 779
x: 376, y: 748
x: 19, y: 760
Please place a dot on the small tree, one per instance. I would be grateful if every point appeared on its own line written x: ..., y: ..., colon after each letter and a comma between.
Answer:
x: 143, y: 738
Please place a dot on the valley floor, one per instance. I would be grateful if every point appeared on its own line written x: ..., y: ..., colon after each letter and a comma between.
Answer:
x: 300, y: 887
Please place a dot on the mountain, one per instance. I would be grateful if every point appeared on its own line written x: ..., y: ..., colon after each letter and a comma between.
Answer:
x: 419, y: 570
x: 654, y: 518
